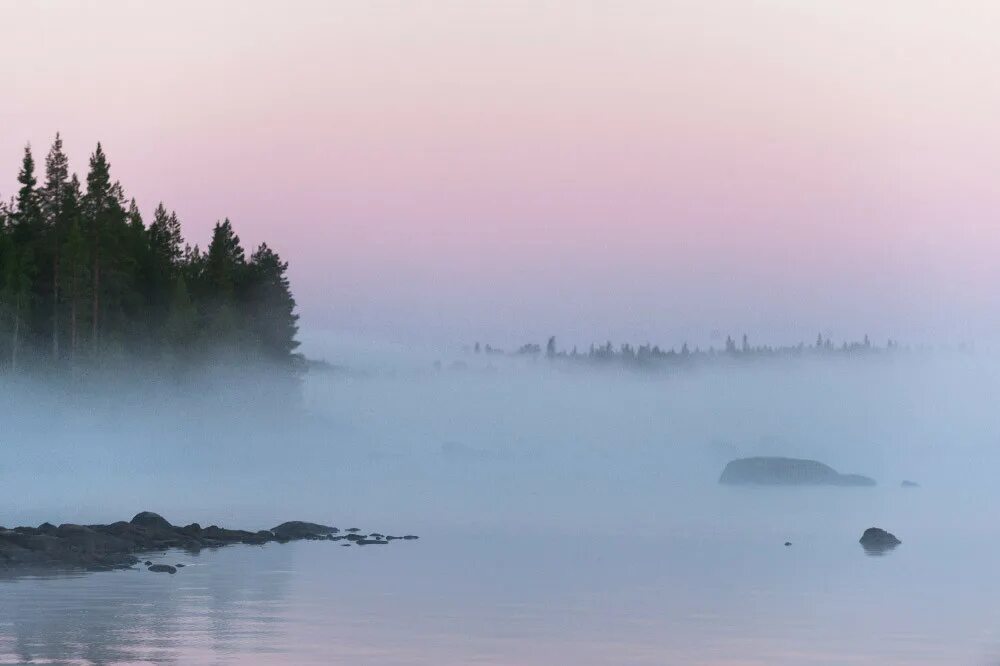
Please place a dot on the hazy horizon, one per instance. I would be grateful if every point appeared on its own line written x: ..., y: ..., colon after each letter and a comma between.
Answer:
x: 473, y: 171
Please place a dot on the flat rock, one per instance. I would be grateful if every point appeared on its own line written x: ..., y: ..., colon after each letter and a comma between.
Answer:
x: 163, y: 568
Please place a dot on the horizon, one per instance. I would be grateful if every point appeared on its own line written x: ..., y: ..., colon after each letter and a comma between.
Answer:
x: 654, y: 173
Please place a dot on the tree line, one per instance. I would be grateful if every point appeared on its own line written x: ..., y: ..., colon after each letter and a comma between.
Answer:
x: 647, y: 354
x: 84, y: 279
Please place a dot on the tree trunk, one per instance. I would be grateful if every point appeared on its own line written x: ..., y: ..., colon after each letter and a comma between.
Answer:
x: 14, y: 342
x: 72, y: 324
x: 55, y: 305
x: 97, y: 299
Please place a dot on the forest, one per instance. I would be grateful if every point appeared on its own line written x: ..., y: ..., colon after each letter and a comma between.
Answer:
x: 86, y: 281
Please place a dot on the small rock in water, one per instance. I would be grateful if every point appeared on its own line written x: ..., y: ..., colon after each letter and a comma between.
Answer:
x: 788, y: 543
x: 345, y: 545
x: 147, y: 563
x: 163, y: 568
x: 352, y: 529
x: 910, y: 484
x: 877, y: 541
x: 410, y: 537
x: 180, y: 565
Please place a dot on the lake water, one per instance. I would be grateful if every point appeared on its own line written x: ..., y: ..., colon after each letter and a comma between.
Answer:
x: 604, y: 596
x: 564, y: 519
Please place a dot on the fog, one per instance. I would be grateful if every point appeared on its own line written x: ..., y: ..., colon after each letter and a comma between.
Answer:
x: 387, y: 437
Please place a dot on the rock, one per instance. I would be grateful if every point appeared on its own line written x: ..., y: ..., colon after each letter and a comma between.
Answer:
x: 150, y: 519
x: 114, y: 546
x: 909, y: 484
x: 777, y: 471
x: 345, y: 544
x: 788, y: 543
x: 352, y: 529
x: 877, y: 541
x: 163, y: 568
x: 297, y: 529
x: 410, y: 537
x: 180, y: 566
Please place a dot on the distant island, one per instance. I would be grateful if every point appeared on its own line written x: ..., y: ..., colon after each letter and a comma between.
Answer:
x: 648, y: 355
x: 84, y: 280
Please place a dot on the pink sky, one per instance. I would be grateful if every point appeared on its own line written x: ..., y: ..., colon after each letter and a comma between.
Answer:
x: 456, y: 170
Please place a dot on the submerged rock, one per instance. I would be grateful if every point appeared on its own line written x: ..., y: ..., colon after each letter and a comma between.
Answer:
x: 778, y: 471
x: 163, y: 568
x: 877, y: 541
x: 909, y: 484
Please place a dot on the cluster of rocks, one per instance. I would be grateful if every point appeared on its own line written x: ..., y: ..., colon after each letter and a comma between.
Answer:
x: 114, y: 546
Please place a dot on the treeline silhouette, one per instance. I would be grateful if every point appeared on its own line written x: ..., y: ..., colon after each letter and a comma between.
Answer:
x: 84, y: 279
x: 647, y: 354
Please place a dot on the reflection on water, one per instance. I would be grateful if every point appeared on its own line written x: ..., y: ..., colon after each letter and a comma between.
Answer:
x: 524, y: 597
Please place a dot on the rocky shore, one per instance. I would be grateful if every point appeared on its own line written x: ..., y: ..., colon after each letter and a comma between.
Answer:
x: 116, y: 546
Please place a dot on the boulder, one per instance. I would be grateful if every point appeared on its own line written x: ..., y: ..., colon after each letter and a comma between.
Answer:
x: 876, y: 541
x: 777, y: 471
x: 150, y: 519
x: 297, y: 529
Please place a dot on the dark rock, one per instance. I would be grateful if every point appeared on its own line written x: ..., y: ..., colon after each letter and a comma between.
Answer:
x: 788, y: 543
x: 147, y: 563
x: 910, y: 484
x: 163, y: 568
x: 776, y: 471
x: 297, y: 529
x: 180, y: 566
x: 114, y: 546
x: 877, y: 541
x: 352, y: 529
x: 410, y: 537
x: 150, y: 519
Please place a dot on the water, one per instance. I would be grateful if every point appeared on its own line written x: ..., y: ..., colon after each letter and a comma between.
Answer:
x: 606, y: 596
x: 565, y: 518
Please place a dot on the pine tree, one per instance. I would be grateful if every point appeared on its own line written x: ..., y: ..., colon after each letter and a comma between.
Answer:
x: 97, y: 210
x: 271, y: 307
x: 57, y: 205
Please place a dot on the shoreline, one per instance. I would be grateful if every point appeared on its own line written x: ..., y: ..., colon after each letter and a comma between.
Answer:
x: 117, y: 545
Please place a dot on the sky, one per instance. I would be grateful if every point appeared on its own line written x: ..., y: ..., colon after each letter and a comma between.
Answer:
x: 452, y: 171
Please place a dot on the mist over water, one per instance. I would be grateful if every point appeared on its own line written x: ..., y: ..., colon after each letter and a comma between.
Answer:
x: 543, y: 491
